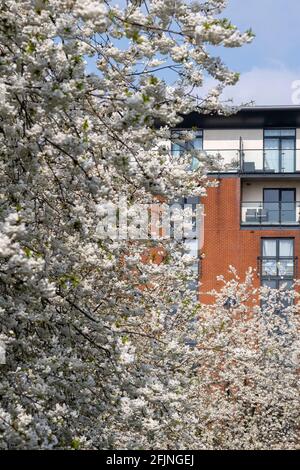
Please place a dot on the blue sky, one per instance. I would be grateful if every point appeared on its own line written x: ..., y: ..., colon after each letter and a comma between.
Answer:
x: 272, y: 62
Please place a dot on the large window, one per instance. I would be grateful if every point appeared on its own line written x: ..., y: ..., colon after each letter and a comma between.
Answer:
x: 279, y: 150
x: 192, y: 242
x: 277, y: 262
x: 180, y: 144
x: 280, y: 205
x: 278, y: 267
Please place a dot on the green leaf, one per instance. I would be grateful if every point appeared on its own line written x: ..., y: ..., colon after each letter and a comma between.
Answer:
x: 79, y: 86
x: 27, y: 252
x: 153, y: 80
x: 85, y: 125
x: 77, y: 59
x: 146, y: 98
x: 30, y: 48
x: 75, y: 444
x: 250, y: 32
x: 125, y: 339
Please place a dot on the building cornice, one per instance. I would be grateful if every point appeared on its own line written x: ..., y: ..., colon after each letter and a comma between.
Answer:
x: 256, y: 117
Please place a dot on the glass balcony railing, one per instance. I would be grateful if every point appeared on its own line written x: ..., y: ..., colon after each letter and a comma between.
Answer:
x: 222, y: 160
x: 269, y: 161
x: 253, y: 160
x: 270, y: 213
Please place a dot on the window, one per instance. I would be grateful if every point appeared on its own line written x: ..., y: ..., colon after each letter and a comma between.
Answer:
x: 179, y: 145
x: 277, y: 261
x: 278, y: 266
x: 279, y: 150
x: 280, y: 206
x: 191, y: 244
x: 274, y: 285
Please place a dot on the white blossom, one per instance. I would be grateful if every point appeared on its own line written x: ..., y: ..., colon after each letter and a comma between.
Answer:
x: 97, y: 339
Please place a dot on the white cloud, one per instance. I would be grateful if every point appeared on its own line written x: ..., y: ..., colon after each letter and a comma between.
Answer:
x: 263, y: 86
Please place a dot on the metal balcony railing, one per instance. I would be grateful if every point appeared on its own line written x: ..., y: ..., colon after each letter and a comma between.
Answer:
x: 271, y: 267
x: 270, y: 213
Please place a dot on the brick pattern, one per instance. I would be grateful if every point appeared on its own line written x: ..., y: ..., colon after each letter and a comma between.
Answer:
x: 225, y: 243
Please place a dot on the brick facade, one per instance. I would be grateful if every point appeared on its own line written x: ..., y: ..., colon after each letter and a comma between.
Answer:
x: 225, y: 243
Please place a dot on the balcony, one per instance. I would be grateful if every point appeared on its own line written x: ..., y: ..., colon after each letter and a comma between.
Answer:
x: 269, y: 161
x: 270, y: 213
x: 271, y: 267
x: 254, y: 161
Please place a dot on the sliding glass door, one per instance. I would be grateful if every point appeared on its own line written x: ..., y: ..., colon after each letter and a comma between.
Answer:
x: 279, y: 150
x: 280, y: 205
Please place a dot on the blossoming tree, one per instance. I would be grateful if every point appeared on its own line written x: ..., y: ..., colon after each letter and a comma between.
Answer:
x: 96, y: 354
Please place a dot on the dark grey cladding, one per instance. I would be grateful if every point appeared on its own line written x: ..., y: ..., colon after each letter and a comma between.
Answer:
x: 246, y: 118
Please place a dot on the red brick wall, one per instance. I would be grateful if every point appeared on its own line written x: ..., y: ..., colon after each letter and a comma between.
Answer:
x: 225, y: 243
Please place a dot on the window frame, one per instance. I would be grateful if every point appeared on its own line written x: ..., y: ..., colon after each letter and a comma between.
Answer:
x: 181, y: 130
x: 199, y: 134
x: 277, y: 278
x: 280, y: 192
x: 280, y: 150
x: 280, y: 203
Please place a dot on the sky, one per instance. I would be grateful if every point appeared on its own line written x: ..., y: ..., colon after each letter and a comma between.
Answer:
x: 271, y: 63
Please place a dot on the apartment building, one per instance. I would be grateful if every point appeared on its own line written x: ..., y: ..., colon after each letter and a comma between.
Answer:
x: 252, y: 218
